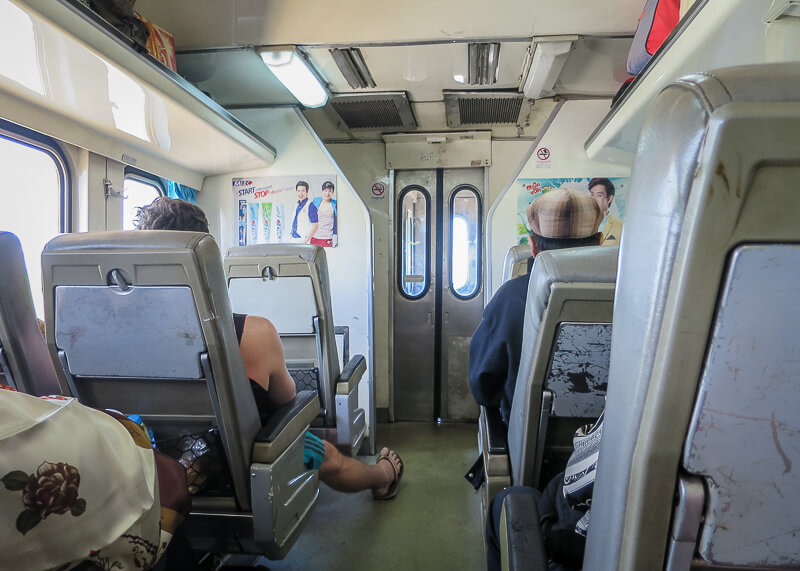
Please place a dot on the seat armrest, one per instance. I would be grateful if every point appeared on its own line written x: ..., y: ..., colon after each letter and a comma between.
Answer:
x: 284, y: 425
x: 521, y: 542
x: 351, y: 375
x: 496, y: 431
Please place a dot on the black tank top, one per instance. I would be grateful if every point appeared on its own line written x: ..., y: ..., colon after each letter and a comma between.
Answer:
x: 260, y: 395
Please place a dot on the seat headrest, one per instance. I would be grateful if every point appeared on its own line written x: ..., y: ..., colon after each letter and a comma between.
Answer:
x: 305, y: 252
x: 590, y: 264
x: 748, y: 83
x: 129, y: 239
x: 515, y: 255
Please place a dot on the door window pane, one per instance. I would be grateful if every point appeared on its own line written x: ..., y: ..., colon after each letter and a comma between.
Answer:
x: 30, y: 205
x: 135, y: 194
x: 414, y: 261
x: 465, y: 242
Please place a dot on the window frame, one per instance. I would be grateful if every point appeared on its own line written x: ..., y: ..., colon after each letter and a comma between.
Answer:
x: 400, y: 258
x: 479, y: 242
x: 143, y: 177
x: 52, y: 148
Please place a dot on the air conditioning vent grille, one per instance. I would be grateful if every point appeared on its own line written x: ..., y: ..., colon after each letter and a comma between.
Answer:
x: 493, y: 108
x: 497, y: 110
x: 373, y: 114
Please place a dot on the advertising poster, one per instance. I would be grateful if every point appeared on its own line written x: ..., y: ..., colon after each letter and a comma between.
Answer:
x: 286, y: 209
x: 610, y: 194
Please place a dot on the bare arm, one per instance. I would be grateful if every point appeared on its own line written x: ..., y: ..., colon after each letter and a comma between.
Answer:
x: 311, y: 232
x: 262, y: 353
x: 313, y: 220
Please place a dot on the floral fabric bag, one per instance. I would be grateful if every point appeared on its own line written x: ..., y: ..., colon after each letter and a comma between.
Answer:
x: 74, y: 486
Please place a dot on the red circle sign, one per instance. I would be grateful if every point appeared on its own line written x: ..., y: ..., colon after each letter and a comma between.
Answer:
x: 543, y: 153
x: 378, y: 189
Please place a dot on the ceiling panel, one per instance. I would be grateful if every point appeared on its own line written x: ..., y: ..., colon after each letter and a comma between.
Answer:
x: 423, y: 70
x: 215, y: 23
x: 555, y: 17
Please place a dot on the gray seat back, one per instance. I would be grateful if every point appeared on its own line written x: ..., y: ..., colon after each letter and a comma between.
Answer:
x: 289, y: 285
x: 565, y: 349
x: 717, y: 168
x: 141, y: 323
x: 516, y: 262
x: 25, y: 363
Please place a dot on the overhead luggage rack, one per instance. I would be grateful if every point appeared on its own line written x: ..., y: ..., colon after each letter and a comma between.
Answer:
x: 147, y: 115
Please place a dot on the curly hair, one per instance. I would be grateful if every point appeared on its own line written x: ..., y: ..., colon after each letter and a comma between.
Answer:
x: 171, y: 214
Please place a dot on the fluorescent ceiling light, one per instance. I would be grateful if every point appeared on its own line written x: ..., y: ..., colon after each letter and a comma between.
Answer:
x: 483, y: 60
x: 353, y: 67
x: 294, y: 72
x: 546, y: 65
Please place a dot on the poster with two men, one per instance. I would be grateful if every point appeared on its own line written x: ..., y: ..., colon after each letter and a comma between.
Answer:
x: 286, y: 209
x: 609, y: 193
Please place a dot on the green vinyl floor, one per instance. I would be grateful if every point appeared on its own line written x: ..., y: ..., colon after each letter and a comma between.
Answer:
x: 433, y: 523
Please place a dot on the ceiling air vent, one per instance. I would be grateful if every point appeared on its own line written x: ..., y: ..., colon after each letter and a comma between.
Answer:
x: 379, y: 111
x: 485, y: 108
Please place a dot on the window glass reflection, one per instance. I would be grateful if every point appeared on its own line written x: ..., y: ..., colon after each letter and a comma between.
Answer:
x: 465, y: 217
x: 135, y: 194
x: 414, y: 243
x: 30, y: 191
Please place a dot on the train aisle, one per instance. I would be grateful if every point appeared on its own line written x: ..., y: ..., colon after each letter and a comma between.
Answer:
x: 433, y: 523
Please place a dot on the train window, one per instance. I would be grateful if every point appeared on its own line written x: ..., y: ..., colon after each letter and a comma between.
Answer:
x: 137, y: 190
x: 414, y: 262
x: 32, y: 194
x: 465, y: 240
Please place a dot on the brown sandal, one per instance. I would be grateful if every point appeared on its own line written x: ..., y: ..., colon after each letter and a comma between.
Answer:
x: 391, y: 491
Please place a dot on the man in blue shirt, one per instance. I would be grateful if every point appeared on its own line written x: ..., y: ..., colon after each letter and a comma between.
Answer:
x: 561, y: 218
x: 305, y: 215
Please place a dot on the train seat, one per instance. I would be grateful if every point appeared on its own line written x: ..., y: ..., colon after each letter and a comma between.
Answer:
x: 563, y: 370
x: 141, y: 323
x: 703, y: 366
x: 516, y: 262
x: 25, y: 363
x: 289, y: 285
x: 699, y: 439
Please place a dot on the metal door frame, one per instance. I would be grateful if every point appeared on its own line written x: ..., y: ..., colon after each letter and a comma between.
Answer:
x: 437, y: 197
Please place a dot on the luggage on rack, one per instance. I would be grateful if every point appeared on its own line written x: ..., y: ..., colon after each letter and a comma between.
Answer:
x: 655, y: 24
x: 119, y: 13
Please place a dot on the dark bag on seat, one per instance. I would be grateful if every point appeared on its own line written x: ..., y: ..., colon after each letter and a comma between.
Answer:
x: 119, y: 13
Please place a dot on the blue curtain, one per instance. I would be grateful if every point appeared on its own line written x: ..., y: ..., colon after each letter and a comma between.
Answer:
x: 175, y: 190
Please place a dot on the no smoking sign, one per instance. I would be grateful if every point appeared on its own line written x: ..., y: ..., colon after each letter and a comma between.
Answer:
x: 378, y: 191
x: 543, y: 158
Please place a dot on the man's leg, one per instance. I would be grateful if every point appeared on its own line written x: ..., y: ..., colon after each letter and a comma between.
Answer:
x: 346, y: 474
x: 493, y: 523
x: 563, y: 544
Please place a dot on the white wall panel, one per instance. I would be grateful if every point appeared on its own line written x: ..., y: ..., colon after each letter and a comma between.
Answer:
x: 348, y: 263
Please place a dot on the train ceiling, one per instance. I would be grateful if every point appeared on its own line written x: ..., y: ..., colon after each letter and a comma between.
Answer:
x: 416, y: 50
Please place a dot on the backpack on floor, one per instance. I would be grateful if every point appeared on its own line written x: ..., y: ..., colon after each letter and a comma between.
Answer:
x: 655, y: 24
